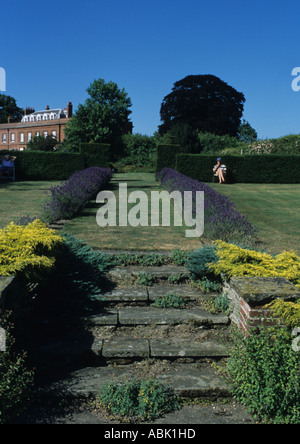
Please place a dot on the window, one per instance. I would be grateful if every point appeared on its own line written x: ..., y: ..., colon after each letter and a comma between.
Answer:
x: 54, y: 134
x: 12, y: 137
x: 45, y: 133
x: 29, y: 137
x: 3, y: 138
x: 22, y: 137
x: 37, y: 133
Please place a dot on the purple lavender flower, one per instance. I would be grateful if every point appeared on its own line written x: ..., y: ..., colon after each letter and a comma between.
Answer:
x: 70, y: 197
x: 222, y: 219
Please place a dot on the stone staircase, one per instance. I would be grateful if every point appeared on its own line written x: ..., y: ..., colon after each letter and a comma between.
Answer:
x: 120, y: 335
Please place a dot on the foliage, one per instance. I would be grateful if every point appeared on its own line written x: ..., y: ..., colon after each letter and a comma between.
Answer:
x: 265, y: 376
x: 103, y: 118
x: 95, y: 154
x: 139, y: 149
x: 15, y: 378
x: 166, y: 156
x: 147, y: 399
x: 273, y: 168
x: 246, y: 133
x: 212, y: 143
x: 38, y: 165
x: 170, y: 300
x: 28, y: 250
x: 221, y: 218
x: 79, y: 269
x: 206, y: 103
x: 236, y: 261
x: 9, y: 108
x: 199, y: 260
x: 207, y: 285
x: 283, y: 145
x: 41, y: 143
x: 145, y: 279
x: 68, y: 199
x: 289, y: 312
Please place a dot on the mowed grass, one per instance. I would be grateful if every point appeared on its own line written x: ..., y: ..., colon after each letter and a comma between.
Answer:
x: 130, y: 238
x: 273, y: 208
x: 18, y: 199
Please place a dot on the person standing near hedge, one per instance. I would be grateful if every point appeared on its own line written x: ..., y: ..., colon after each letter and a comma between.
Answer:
x: 220, y: 170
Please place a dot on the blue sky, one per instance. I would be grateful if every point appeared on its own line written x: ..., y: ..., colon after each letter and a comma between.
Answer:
x: 53, y: 50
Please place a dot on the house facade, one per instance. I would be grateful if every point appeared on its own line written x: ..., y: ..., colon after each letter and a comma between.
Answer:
x: 48, y: 122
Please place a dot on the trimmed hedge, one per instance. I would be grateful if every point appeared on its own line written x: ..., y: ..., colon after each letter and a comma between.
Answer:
x: 41, y: 165
x: 95, y: 154
x: 242, y: 169
x: 166, y: 156
x: 38, y: 165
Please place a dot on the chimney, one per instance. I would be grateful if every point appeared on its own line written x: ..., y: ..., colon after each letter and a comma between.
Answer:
x: 69, y: 110
x: 47, y: 107
x: 28, y: 111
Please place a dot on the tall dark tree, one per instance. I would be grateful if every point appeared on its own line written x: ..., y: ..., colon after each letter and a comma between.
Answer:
x: 9, y: 108
x: 204, y: 102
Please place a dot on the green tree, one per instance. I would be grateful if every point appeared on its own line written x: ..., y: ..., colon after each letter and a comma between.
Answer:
x: 9, y: 108
x: 103, y: 118
x: 41, y: 143
x: 204, y: 102
x: 246, y: 133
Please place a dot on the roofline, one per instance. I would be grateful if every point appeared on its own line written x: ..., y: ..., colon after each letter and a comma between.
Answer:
x: 18, y: 125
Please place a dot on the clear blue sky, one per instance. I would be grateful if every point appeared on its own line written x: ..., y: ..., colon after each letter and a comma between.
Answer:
x: 53, y: 50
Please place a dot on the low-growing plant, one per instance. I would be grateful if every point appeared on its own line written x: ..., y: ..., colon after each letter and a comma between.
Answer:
x: 207, y: 285
x: 15, y: 377
x: 28, y: 250
x: 289, y: 312
x: 200, y: 260
x: 175, y: 278
x: 68, y: 199
x: 170, y: 300
x: 264, y: 374
x: 145, y: 279
x: 236, y: 261
x: 147, y: 399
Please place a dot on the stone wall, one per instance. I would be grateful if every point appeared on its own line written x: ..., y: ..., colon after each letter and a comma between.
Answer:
x: 249, y: 296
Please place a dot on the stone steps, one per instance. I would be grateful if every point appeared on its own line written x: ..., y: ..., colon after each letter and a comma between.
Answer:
x: 187, y: 380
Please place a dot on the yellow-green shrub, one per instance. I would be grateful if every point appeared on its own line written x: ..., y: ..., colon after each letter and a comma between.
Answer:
x: 236, y: 261
x: 28, y: 250
x: 289, y: 312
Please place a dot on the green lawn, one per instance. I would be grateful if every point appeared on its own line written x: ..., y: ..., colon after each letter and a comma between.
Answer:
x: 129, y: 238
x: 273, y: 208
x: 21, y: 199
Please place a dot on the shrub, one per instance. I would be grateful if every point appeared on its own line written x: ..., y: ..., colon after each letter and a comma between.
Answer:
x: 264, y: 373
x: 236, y: 261
x: 15, y: 378
x: 146, y: 399
x: 28, y: 250
x: 170, y: 300
x: 221, y: 218
x: 166, y: 156
x: 200, y: 260
x: 95, y: 154
x: 68, y: 199
x: 289, y: 312
x: 272, y: 168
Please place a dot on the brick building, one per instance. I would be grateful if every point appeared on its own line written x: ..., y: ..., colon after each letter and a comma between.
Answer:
x: 16, y: 135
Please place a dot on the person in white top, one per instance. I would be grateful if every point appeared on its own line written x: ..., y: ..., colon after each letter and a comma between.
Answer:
x: 220, y: 170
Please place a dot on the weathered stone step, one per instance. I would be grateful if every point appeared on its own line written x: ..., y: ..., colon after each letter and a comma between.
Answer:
x: 159, y: 349
x: 187, y: 380
x: 132, y: 316
x: 131, y: 274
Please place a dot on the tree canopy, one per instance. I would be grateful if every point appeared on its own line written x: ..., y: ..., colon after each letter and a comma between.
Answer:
x: 9, y: 108
x: 204, y: 102
x: 103, y: 118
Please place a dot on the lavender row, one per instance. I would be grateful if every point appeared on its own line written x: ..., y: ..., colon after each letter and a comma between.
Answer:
x: 68, y: 199
x: 222, y: 219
